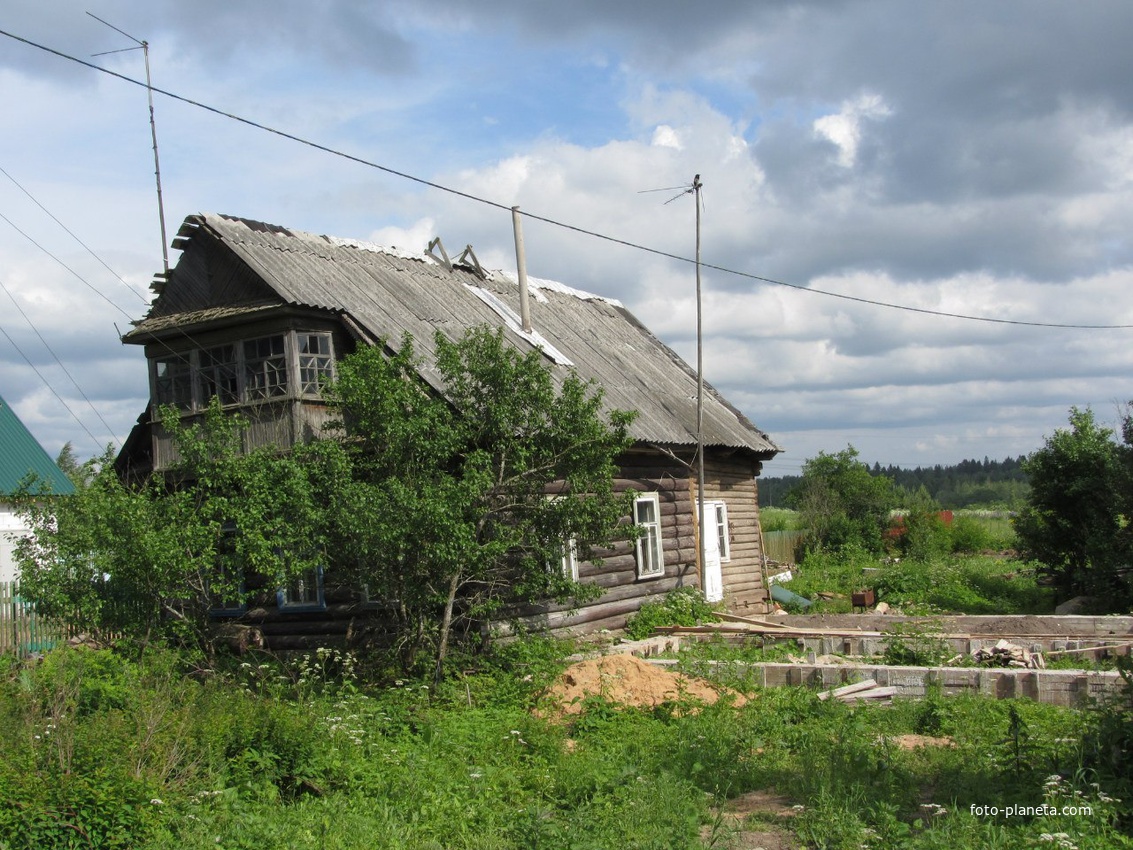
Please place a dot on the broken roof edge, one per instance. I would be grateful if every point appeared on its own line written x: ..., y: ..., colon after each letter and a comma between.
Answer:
x: 540, y: 284
x: 537, y: 284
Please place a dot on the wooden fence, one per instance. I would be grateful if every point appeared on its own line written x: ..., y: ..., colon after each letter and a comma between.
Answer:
x: 22, y: 631
x: 780, y: 545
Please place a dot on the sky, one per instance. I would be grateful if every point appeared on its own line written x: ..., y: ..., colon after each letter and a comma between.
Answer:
x: 915, y: 218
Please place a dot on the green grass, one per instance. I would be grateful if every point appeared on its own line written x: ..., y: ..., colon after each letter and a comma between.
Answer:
x: 953, y: 584
x: 97, y: 752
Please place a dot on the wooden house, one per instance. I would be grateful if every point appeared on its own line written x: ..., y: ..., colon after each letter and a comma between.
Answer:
x: 258, y: 315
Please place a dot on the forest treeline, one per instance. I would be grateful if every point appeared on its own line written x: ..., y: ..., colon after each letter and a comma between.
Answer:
x: 990, y: 484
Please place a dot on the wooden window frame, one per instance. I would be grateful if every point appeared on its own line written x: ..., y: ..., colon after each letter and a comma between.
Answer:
x: 568, y: 562
x: 649, y: 548
x: 189, y: 384
x: 723, y: 531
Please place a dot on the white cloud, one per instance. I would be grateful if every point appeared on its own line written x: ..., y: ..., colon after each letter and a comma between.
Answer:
x: 666, y: 137
x: 844, y: 128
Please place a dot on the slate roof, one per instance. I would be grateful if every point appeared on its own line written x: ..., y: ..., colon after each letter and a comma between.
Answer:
x: 21, y: 456
x: 388, y: 292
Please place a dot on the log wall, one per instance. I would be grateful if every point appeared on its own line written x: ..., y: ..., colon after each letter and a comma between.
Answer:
x: 733, y: 482
x: 347, y: 619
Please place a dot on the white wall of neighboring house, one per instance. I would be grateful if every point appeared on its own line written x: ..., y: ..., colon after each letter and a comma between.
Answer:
x: 10, y: 526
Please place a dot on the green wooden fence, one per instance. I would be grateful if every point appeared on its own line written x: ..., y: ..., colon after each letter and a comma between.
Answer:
x: 22, y: 631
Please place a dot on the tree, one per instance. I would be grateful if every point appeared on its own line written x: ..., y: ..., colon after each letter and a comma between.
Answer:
x: 841, y: 503
x: 448, y: 507
x: 149, y: 562
x: 462, y: 504
x: 1075, y: 521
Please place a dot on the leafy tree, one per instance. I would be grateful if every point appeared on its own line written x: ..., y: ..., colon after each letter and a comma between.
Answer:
x: 842, y: 504
x: 459, y: 505
x: 447, y: 507
x: 70, y: 466
x: 1075, y: 521
x: 149, y: 562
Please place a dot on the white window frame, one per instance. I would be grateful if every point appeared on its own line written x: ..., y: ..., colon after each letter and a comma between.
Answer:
x: 569, y: 559
x: 649, y: 548
x: 723, y: 532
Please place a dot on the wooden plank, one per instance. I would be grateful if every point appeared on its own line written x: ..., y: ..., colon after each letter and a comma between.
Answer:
x: 845, y: 690
x: 885, y: 692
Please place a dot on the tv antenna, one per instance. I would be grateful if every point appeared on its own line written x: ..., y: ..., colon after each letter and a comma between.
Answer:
x: 144, y: 47
x: 694, y: 189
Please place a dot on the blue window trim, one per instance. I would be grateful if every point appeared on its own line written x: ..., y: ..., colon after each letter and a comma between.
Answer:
x: 300, y: 607
x: 230, y: 610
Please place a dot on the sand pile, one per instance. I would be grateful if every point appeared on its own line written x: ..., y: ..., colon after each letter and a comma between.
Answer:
x: 627, y: 680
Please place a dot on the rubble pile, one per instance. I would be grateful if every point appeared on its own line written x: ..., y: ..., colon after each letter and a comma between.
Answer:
x: 1007, y: 654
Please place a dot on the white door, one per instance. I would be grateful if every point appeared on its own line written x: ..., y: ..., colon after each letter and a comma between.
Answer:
x: 713, y: 577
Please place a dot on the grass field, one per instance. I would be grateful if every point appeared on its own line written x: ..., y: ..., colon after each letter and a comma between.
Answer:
x: 97, y: 751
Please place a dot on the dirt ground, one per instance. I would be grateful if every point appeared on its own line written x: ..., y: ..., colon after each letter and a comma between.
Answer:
x: 754, y: 821
x: 627, y: 680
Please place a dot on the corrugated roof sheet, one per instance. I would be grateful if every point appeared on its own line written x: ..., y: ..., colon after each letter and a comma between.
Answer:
x: 21, y: 456
x: 391, y: 293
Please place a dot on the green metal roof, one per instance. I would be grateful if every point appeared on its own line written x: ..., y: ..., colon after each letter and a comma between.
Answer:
x: 21, y: 456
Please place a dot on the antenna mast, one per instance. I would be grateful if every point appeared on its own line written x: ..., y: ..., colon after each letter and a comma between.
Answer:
x: 694, y: 189
x: 696, y: 184
x: 144, y: 46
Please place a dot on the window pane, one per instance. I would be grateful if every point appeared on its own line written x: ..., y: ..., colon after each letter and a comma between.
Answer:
x: 303, y: 590
x: 315, y: 362
x: 172, y: 384
x: 218, y: 374
x: 646, y: 511
x: 265, y: 368
x: 722, y: 530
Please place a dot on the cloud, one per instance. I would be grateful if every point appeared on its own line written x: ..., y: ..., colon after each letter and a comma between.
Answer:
x: 956, y: 159
x: 844, y: 128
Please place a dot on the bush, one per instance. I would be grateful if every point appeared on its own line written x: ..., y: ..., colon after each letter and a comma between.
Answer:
x: 683, y: 606
x: 969, y: 535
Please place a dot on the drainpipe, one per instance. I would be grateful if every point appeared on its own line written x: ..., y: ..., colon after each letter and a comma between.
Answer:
x: 521, y: 265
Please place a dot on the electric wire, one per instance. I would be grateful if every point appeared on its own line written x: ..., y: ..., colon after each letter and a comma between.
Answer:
x: 70, y: 233
x: 47, y: 383
x: 66, y: 371
x: 81, y: 279
x: 164, y: 344
x: 554, y: 222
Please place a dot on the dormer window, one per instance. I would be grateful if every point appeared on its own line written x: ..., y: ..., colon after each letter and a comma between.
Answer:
x: 283, y: 365
x: 172, y: 384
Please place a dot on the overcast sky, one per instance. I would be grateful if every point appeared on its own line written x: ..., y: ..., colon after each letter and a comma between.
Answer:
x: 958, y: 158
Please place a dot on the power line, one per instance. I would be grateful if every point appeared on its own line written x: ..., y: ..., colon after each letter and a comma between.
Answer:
x: 83, y: 280
x: 555, y: 223
x: 66, y: 371
x: 88, y: 249
x: 47, y: 383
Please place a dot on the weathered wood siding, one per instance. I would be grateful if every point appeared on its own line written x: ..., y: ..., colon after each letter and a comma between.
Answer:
x: 733, y: 482
x: 346, y: 619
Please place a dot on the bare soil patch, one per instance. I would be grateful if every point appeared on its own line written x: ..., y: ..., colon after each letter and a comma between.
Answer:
x: 913, y: 742
x: 629, y: 681
x: 741, y: 831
